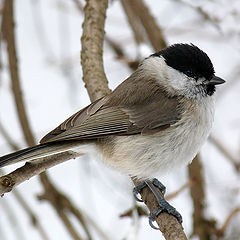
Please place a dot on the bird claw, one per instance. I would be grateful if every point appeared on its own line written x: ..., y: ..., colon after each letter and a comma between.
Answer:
x: 164, y: 206
x: 139, y: 187
x: 137, y: 191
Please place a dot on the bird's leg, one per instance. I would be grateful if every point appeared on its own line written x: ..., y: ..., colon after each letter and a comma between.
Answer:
x: 142, y: 185
x: 164, y: 206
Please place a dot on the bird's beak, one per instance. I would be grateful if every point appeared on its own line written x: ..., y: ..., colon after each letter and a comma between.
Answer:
x: 216, y: 80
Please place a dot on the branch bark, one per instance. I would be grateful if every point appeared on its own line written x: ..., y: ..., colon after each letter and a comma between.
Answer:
x: 154, y: 32
x: 92, y: 48
x: 133, y: 20
x: 30, y: 169
x: 202, y: 227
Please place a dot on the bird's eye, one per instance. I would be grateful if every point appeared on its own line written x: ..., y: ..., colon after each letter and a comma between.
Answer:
x: 190, y: 73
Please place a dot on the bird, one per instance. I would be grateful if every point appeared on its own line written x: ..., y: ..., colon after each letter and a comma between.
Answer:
x: 154, y: 121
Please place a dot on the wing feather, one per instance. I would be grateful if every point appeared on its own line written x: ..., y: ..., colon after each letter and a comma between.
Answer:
x: 106, y: 117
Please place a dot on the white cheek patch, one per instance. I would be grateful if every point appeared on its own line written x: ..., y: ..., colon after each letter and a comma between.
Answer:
x: 173, y: 81
x: 177, y: 80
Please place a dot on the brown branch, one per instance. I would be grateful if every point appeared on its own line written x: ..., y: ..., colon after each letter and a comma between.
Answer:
x: 202, y: 227
x: 168, y: 224
x: 151, y: 27
x: 9, y: 37
x: 117, y: 49
x: 30, y: 169
x: 15, y: 227
x: 181, y: 189
x: 221, y: 231
x: 92, y: 47
x: 133, y: 20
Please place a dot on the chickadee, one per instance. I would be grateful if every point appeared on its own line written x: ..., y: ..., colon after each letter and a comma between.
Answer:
x: 154, y: 121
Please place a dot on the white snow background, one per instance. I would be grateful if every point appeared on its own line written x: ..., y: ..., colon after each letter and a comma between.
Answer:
x: 48, y: 44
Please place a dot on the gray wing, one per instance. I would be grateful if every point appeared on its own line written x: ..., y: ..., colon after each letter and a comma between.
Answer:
x: 105, y: 117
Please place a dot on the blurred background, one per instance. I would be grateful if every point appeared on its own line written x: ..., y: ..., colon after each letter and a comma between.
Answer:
x: 88, y: 198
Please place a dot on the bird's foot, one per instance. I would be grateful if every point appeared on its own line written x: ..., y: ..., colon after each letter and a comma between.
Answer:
x: 139, y: 188
x: 164, y: 206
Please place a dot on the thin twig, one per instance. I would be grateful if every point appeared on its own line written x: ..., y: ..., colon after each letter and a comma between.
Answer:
x: 214, y: 21
x: 63, y: 206
x: 34, y: 220
x: 7, y: 137
x: 225, y: 152
x: 14, y: 223
x: 180, y: 190
x: 9, y: 37
x: 221, y: 231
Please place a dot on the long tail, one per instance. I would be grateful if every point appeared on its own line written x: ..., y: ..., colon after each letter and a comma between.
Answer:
x: 31, y: 153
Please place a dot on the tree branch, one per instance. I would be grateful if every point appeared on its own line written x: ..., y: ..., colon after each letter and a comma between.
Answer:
x: 152, y: 29
x: 92, y: 48
x: 202, y: 227
x: 9, y: 37
x: 30, y: 169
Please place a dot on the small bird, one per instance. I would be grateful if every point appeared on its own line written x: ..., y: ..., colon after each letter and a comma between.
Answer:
x: 153, y: 122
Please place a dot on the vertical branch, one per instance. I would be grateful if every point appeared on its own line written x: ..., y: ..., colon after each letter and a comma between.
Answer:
x: 202, y: 227
x: 9, y: 37
x: 154, y: 32
x: 92, y: 48
x: 134, y: 22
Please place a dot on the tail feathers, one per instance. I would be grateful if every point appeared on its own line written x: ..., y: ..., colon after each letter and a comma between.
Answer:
x: 31, y: 153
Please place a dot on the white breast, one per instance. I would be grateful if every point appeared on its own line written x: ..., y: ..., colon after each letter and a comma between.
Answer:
x: 148, y: 156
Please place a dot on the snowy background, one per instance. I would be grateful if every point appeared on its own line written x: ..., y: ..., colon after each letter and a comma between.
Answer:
x: 48, y: 44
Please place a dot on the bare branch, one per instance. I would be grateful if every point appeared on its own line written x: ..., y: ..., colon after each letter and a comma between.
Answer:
x: 181, y: 189
x: 14, y: 222
x: 214, y: 21
x: 154, y: 32
x: 9, y: 36
x: 9, y: 140
x: 168, y: 224
x: 117, y: 49
x: 30, y: 169
x: 225, y: 152
x: 92, y: 47
x: 202, y: 227
x: 63, y: 206
x: 134, y: 22
x: 34, y: 220
x: 221, y: 231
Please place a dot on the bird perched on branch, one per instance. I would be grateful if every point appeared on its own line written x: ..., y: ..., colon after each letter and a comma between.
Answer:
x: 154, y: 121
